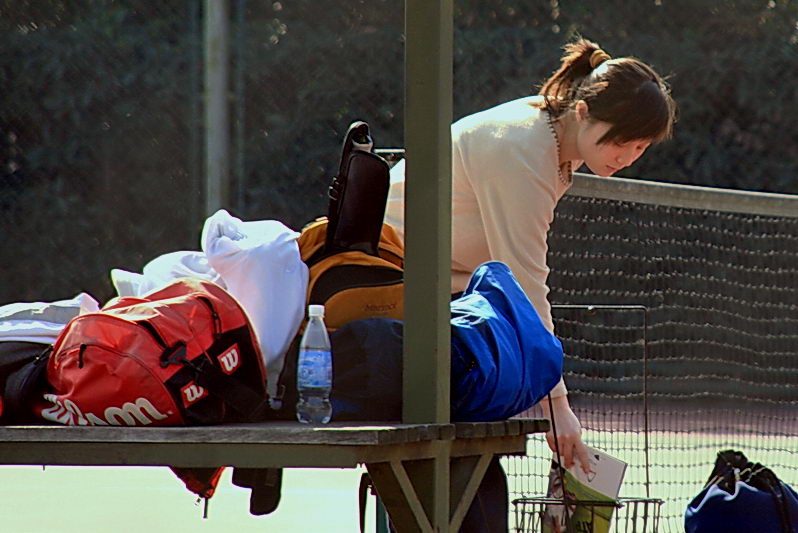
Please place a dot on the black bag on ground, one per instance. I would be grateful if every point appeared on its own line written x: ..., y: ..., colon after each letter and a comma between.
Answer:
x: 742, y: 497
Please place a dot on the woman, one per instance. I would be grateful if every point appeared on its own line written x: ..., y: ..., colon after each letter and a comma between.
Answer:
x: 512, y: 163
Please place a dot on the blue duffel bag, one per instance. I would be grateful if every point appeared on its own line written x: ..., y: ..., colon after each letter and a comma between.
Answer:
x: 504, y: 360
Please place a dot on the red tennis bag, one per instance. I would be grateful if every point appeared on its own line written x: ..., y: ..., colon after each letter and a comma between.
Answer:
x: 183, y: 355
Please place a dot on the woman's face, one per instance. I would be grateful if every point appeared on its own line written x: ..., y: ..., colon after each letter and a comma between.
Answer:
x: 607, y: 158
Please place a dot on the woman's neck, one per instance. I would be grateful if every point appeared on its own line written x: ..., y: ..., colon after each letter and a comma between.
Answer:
x: 567, y: 128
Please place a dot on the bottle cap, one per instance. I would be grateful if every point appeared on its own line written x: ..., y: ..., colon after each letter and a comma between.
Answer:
x: 315, y: 310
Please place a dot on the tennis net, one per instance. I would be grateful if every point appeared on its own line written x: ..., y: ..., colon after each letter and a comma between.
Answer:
x: 678, y: 311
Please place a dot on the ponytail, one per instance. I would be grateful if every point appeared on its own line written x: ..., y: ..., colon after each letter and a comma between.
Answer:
x: 578, y: 61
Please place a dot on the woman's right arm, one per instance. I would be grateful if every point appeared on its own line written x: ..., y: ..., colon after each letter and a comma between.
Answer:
x: 516, y: 208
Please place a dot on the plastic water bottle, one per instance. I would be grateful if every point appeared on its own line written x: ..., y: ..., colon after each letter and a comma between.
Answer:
x: 314, y: 371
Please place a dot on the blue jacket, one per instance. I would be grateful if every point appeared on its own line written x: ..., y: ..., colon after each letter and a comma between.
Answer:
x: 504, y: 360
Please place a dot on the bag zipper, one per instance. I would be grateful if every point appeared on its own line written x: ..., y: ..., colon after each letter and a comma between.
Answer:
x: 217, y: 320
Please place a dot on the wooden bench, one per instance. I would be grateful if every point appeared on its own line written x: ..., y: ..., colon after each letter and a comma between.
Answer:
x: 398, y: 457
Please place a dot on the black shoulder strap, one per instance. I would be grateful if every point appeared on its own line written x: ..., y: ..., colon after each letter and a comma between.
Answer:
x: 266, y: 485
x: 362, y: 494
x: 764, y: 479
x: 248, y: 403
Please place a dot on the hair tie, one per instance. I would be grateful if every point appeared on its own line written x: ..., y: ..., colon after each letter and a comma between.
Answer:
x: 598, y: 57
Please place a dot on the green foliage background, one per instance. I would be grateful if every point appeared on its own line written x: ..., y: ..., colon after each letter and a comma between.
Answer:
x: 101, y: 131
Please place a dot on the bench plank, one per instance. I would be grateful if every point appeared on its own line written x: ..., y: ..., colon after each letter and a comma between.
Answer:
x: 262, y: 433
x: 271, y: 444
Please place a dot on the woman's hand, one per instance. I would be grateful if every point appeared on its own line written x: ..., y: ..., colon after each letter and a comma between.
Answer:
x: 569, y: 432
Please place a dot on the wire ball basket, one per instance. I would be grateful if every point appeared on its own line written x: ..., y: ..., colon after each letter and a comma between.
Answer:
x: 563, y: 511
x: 625, y: 515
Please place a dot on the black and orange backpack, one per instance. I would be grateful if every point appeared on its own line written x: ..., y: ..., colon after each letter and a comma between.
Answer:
x: 353, y: 284
x: 355, y: 260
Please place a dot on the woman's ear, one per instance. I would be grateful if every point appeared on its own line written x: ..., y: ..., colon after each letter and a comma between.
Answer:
x: 582, y: 110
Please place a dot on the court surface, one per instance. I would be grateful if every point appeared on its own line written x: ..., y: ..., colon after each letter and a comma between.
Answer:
x: 153, y: 499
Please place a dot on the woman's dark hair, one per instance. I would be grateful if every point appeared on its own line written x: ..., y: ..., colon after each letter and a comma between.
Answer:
x: 624, y: 92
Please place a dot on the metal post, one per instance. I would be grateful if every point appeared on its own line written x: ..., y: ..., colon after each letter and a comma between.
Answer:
x: 217, y: 114
x: 240, y: 105
x: 196, y: 211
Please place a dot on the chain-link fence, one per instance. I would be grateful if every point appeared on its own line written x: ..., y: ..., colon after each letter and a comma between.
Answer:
x: 101, y: 124
x: 102, y: 130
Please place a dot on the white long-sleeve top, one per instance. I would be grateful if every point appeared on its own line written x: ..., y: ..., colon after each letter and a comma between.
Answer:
x: 505, y: 186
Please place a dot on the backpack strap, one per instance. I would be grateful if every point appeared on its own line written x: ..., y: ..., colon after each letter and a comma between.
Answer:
x: 362, y: 494
x: 240, y: 397
x: 266, y: 485
x: 248, y: 403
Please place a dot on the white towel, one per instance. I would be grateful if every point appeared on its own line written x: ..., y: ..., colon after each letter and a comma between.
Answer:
x: 260, y: 263
x: 41, y: 322
x: 162, y: 271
